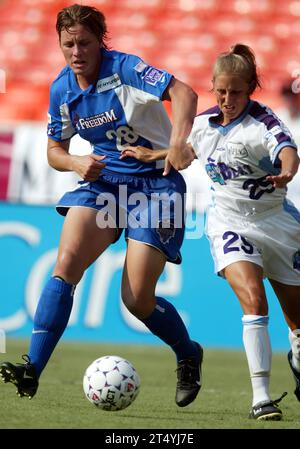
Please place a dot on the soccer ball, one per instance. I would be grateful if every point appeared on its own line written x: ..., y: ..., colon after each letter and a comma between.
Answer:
x: 111, y: 383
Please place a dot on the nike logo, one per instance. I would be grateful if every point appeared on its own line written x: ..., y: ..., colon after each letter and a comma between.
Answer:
x: 39, y: 332
x: 25, y: 376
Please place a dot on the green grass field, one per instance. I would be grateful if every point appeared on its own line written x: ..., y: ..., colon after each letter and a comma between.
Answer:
x: 223, y: 401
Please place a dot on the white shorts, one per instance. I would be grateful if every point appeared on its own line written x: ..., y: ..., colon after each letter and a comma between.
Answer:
x: 273, y: 242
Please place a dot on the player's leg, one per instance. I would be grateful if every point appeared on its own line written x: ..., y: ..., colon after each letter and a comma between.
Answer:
x: 289, y: 297
x: 282, y: 268
x: 246, y: 279
x: 143, y: 266
x: 237, y: 249
x: 82, y: 241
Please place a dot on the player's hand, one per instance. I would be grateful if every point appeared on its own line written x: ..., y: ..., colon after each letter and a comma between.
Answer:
x: 139, y: 152
x: 179, y: 158
x: 280, y: 181
x: 89, y: 166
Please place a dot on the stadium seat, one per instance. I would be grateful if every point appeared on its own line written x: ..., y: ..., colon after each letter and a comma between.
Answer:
x: 23, y: 101
x: 173, y: 34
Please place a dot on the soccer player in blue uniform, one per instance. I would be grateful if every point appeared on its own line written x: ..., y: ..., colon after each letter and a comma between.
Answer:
x: 253, y: 229
x: 114, y: 99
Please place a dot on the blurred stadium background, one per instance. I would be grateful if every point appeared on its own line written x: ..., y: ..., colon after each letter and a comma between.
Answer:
x: 182, y: 36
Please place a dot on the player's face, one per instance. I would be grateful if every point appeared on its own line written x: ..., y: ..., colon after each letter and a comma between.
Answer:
x: 81, y: 48
x: 232, y: 94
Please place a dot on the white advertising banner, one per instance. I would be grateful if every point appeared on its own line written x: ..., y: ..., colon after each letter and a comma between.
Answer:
x: 32, y: 181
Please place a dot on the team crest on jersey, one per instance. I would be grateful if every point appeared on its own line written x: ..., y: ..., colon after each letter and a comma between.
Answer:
x: 153, y: 76
x: 166, y: 231
x: 296, y: 260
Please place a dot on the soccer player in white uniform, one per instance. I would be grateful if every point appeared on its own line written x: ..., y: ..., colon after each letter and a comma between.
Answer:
x: 254, y: 231
x: 112, y: 99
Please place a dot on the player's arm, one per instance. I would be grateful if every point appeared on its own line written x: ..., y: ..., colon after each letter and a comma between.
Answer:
x: 144, y: 154
x: 184, y: 108
x: 88, y: 167
x: 289, y: 166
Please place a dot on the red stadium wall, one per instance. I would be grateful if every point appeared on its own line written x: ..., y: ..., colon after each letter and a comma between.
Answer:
x: 183, y: 36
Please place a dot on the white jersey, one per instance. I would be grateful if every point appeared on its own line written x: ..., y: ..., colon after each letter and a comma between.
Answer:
x: 238, y: 157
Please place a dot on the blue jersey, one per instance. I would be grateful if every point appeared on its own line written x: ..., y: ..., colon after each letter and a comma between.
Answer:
x: 123, y: 107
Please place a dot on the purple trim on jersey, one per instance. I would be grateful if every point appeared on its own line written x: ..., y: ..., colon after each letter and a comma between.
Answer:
x: 260, y: 113
x: 212, y: 110
x: 224, y: 129
x: 265, y: 115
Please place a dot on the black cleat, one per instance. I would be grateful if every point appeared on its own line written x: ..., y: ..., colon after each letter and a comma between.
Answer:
x: 23, y: 375
x: 296, y: 376
x: 267, y: 410
x: 189, y: 379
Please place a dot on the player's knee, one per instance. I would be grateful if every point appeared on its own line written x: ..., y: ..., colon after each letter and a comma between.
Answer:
x: 255, y: 302
x: 130, y: 302
x: 69, y: 267
x: 138, y: 305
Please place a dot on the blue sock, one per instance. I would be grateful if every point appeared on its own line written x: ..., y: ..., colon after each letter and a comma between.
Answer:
x: 166, y: 323
x: 50, y: 320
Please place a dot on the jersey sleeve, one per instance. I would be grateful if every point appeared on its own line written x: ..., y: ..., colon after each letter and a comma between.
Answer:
x: 276, y: 137
x: 59, y: 122
x: 144, y: 79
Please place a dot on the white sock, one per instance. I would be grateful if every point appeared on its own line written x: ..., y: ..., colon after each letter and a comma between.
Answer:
x: 294, y: 337
x: 259, y: 355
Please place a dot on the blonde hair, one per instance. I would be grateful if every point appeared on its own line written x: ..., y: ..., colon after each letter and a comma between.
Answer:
x: 239, y: 60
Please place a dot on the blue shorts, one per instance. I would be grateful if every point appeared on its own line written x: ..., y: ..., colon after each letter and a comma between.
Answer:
x: 151, y: 207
